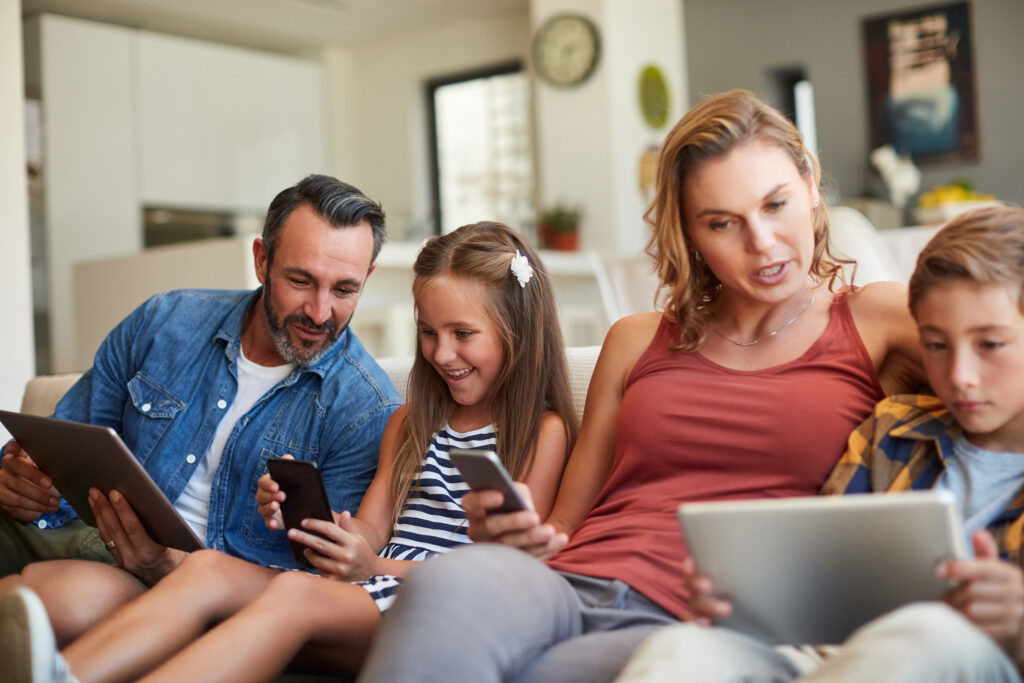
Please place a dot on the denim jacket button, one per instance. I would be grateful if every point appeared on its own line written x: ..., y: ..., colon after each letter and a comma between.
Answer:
x: 222, y: 404
x: 190, y: 458
x: 146, y: 407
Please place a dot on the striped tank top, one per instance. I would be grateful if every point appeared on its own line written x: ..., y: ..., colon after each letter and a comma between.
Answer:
x: 432, y: 520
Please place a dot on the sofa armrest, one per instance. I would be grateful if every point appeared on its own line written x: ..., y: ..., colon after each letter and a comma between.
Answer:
x: 42, y: 393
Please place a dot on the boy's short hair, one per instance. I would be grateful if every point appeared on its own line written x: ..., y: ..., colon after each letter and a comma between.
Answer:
x: 984, y: 246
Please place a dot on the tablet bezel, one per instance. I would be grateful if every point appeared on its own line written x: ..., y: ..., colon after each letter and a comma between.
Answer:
x: 56, y: 446
x: 813, y: 569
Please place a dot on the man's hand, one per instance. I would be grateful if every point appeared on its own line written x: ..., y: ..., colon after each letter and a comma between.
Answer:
x: 25, y: 491
x: 990, y: 593
x: 706, y: 608
x: 128, y: 541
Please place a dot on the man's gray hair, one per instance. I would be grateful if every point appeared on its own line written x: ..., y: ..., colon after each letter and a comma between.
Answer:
x: 340, y: 204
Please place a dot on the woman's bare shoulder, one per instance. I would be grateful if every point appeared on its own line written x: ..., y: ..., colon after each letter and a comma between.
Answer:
x: 625, y: 342
x: 632, y: 333
x: 882, y: 315
x: 879, y: 298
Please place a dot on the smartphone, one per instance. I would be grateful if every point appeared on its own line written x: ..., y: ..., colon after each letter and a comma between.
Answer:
x: 482, y: 470
x: 305, y: 497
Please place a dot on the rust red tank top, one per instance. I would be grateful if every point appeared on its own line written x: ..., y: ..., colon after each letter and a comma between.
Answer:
x: 689, y: 429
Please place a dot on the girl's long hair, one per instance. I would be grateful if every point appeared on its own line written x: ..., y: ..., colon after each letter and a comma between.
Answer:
x: 535, y: 375
x: 711, y: 130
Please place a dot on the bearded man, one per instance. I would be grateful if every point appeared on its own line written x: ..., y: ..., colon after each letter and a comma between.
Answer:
x: 204, y: 386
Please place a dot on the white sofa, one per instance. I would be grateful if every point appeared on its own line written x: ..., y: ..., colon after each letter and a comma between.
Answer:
x: 43, y: 392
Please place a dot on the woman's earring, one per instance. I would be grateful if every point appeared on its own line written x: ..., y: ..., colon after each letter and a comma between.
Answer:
x: 697, y: 256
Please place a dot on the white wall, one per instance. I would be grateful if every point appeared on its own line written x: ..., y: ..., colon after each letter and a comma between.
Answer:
x: 831, y: 49
x: 379, y: 107
x: 17, y: 359
x: 591, y: 137
x: 640, y: 32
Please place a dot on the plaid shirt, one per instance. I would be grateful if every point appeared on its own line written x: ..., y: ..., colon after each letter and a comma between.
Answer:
x: 904, y: 445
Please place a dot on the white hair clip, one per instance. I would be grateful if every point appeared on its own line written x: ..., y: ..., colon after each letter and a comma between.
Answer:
x: 522, y: 269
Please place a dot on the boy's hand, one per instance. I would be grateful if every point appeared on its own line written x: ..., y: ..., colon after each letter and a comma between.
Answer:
x: 705, y: 606
x: 990, y: 594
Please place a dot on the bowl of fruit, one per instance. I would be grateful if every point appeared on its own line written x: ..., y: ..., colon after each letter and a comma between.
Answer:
x: 941, y: 203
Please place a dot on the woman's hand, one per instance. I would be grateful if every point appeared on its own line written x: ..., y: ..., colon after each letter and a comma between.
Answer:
x: 522, y: 530
x: 269, y: 497
x: 990, y: 594
x: 344, y: 555
x: 706, y: 608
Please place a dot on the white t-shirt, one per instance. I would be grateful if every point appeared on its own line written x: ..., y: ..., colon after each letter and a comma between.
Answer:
x: 253, y: 382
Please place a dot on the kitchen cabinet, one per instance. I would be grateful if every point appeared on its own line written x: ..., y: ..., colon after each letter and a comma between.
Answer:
x: 134, y: 119
x: 224, y: 127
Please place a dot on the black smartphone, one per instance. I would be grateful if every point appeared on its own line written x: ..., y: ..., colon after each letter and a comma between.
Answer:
x: 482, y: 470
x: 305, y: 497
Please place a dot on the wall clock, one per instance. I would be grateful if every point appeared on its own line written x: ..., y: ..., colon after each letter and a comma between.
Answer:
x: 566, y: 49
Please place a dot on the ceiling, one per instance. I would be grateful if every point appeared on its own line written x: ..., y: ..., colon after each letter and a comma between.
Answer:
x: 295, y: 26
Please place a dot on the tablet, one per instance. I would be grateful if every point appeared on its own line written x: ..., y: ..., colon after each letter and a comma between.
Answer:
x: 811, y: 570
x: 79, y: 456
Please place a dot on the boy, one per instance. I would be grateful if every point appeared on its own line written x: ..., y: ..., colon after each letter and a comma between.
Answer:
x: 967, y: 295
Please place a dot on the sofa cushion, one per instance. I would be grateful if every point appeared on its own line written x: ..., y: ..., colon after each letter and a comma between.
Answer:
x: 43, y: 392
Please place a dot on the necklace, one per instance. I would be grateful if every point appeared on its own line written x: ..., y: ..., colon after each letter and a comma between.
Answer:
x: 770, y: 334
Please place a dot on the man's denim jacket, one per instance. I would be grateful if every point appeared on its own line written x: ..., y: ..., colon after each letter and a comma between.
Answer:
x: 163, y: 378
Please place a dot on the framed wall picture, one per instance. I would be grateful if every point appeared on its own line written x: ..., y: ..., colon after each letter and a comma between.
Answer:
x: 921, y: 82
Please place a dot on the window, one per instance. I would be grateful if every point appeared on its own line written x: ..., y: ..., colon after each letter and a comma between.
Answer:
x: 483, y: 148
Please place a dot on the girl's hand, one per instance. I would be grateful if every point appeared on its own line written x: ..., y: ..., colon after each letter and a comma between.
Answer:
x: 522, y: 530
x: 990, y: 594
x: 269, y: 497
x: 706, y: 608
x: 344, y: 555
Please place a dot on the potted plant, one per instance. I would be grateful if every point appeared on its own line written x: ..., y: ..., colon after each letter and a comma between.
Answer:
x: 559, y: 227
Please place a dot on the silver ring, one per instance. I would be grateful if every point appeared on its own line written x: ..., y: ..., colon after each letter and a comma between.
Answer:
x: 111, y: 545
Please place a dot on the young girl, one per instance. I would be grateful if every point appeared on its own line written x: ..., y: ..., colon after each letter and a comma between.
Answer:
x: 488, y: 347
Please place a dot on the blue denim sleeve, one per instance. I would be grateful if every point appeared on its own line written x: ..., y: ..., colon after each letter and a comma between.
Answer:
x: 100, y: 395
x: 352, y: 446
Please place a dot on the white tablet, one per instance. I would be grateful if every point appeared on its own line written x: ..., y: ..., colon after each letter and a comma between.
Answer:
x: 811, y: 570
x: 79, y: 456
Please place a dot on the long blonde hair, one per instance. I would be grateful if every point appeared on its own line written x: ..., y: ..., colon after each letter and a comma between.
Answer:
x: 535, y: 375
x: 711, y: 130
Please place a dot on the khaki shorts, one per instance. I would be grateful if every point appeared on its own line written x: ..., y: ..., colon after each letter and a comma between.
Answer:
x: 24, y: 542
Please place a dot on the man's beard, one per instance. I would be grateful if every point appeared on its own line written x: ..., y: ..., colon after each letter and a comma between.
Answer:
x: 305, y: 352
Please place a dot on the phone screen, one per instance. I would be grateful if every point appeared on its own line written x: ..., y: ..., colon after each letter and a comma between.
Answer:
x: 305, y: 497
x: 482, y: 470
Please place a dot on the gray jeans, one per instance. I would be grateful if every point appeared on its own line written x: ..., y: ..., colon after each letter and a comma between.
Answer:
x: 490, y: 613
